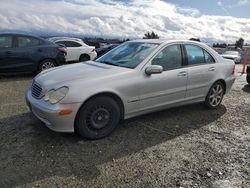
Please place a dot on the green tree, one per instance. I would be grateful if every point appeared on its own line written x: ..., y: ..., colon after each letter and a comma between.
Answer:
x: 195, y: 39
x: 151, y: 35
x: 239, y: 43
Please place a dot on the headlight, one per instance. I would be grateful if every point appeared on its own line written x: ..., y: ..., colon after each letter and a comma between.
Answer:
x: 54, y: 96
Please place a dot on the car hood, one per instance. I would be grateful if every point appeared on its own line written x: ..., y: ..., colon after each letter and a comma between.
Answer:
x: 87, y: 71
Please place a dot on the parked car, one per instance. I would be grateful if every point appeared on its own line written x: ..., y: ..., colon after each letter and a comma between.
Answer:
x: 77, y: 50
x: 248, y: 74
x: 136, y: 78
x: 233, y: 55
x: 27, y: 53
x: 102, y: 50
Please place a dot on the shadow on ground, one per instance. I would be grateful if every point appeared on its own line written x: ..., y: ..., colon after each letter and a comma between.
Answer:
x: 246, y: 88
x: 31, y: 152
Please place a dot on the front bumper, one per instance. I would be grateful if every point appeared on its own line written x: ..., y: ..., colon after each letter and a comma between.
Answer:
x: 49, y: 114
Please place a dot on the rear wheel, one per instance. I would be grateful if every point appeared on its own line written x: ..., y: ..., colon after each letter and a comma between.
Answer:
x: 46, y: 64
x: 84, y: 57
x: 215, y: 95
x: 98, y: 118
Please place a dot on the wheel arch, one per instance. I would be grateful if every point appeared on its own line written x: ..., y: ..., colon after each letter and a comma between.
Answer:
x: 112, y: 95
x: 223, y: 83
x: 47, y: 58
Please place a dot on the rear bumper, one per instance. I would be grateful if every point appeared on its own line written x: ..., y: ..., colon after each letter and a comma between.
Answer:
x: 60, y: 59
x: 93, y: 55
x: 229, y: 82
x: 49, y: 114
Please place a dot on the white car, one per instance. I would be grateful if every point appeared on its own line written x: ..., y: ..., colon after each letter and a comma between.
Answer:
x: 77, y: 50
x: 233, y: 55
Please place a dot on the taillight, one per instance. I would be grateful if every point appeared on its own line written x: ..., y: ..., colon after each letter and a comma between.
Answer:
x: 93, y: 50
x: 63, y: 50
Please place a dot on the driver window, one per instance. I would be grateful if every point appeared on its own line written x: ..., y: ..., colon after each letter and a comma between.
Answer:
x: 169, y: 58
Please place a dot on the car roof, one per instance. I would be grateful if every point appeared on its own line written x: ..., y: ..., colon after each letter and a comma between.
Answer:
x: 165, y: 41
x: 65, y: 38
x: 21, y: 34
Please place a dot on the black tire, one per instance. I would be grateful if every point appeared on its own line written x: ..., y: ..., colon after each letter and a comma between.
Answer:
x: 84, y: 57
x: 248, y: 79
x: 97, y: 118
x: 215, y: 95
x: 46, y: 64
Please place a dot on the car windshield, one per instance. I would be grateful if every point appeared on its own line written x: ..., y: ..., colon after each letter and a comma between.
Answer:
x: 232, y: 52
x: 128, y: 55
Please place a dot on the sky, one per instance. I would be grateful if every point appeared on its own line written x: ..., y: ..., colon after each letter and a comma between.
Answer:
x: 212, y: 21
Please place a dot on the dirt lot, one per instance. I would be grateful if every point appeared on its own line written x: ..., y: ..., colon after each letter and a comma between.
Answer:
x: 183, y: 147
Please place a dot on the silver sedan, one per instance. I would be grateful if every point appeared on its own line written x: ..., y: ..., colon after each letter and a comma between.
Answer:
x: 135, y: 78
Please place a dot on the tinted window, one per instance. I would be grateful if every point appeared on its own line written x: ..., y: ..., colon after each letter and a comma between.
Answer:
x: 169, y: 58
x: 208, y: 57
x: 27, y: 42
x: 72, y: 44
x: 5, y: 41
x: 195, y: 55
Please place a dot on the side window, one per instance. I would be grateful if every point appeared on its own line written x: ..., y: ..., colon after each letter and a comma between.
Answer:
x: 208, y: 57
x: 195, y: 55
x: 169, y: 58
x: 72, y: 44
x: 5, y: 41
x: 27, y: 42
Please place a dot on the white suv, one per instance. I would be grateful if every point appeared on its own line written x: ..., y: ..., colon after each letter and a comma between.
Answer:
x: 77, y: 50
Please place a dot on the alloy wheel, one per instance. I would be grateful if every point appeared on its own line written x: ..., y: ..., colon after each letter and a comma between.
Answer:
x: 216, y: 95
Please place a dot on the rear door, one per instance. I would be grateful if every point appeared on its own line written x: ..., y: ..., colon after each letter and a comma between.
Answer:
x: 201, y: 69
x: 7, y: 53
x: 27, y: 53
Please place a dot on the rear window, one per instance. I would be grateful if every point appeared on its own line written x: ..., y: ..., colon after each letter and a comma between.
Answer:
x: 5, y: 41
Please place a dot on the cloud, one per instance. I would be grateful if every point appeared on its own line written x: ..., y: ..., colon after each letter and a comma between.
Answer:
x: 130, y: 19
x: 243, y: 2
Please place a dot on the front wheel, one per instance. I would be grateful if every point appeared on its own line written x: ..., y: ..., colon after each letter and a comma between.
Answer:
x: 98, y: 118
x: 215, y: 95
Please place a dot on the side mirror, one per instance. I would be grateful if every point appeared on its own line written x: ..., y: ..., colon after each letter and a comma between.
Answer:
x: 154, y: 69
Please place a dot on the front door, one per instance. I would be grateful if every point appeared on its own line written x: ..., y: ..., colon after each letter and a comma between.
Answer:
x: 169, y: 87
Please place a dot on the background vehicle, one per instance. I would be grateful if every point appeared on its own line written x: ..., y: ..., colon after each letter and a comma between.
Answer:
x: 26, y: 53
x: 248, y: 74
x: 233, y: 55
x: 102, y: 50
x: 77, y: 50
x: 135, y: 78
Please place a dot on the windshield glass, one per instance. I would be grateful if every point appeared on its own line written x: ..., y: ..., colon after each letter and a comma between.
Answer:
x: 232, y: 52
x: 128, y: 55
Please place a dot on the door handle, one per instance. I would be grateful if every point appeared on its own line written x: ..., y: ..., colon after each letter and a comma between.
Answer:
x: 8, y: 52
x: 211, y: 69
x: 183, y: 73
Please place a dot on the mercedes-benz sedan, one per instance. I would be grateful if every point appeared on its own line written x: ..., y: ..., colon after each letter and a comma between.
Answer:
x: 138, y: 77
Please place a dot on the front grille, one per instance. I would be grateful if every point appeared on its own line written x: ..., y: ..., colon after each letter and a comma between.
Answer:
x: 36, y: 90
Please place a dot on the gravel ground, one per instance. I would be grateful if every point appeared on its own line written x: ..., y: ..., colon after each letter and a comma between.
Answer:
x: 182, y: 147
